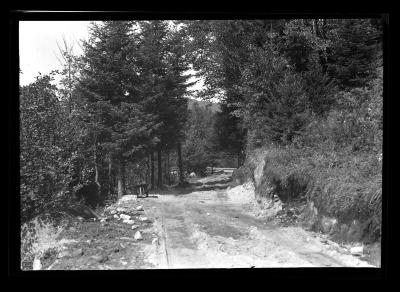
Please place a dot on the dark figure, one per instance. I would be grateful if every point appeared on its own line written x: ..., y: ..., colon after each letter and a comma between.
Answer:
x: 90, y: 194
x: 142, y: 190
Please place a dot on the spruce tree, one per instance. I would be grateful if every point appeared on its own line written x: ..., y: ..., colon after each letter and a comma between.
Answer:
x: 162, y: 66
x: 355, y: 52
x: 118, y: 123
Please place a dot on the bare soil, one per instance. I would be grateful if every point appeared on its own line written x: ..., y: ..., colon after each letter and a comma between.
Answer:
x: 200, y: 228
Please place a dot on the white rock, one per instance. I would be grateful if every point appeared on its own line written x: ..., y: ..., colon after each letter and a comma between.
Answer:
x: 112, y: 212
x: 129, y: 221
x: 128, y: 198
x: 155, y: 241
x: 120, y: 209
x: 79, y: 218
x: 138, y: 235
x: 139, y: 208
x: 143, y: 219
x: 116, y: 216
x: 103, y: 220
x: 356, y: 250
x: 208, y: 214
x: 36, y: 264
x: 125, y: 217
x: 134, y: 226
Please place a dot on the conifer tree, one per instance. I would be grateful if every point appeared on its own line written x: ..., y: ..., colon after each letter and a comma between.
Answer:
x: 162, y: 66
x: 355, y: 52
x: 118, y: 123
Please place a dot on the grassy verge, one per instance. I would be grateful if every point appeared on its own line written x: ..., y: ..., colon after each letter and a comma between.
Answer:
x: 343, y: 185
x: 39, y: 241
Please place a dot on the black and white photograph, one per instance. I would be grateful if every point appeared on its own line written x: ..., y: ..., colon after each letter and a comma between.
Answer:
x: 172, y: 143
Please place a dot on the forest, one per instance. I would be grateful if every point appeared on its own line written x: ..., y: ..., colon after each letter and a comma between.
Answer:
x: 121, y: 114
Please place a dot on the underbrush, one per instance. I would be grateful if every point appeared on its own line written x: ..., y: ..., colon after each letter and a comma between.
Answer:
x: 39, y: 240
x: 341, y: 184
x: 350, y: 190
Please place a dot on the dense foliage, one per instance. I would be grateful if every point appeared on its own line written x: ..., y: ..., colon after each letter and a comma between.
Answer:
x: 309, y: 92
x: 278, y: 76
x: 123, y: 99
x: 199, y: 149
x: 309, y: 88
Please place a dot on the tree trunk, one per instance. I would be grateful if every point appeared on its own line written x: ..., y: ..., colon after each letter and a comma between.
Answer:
x: 314, y: 26
x: 121, y: 179
x: 96, y: 171
x: 123, y: 170
x: 109, y: 176
x: 159, y: 168
x: 69, y: 89
x: 167, y: 169
x: 148, y: 168
x: 152, y: 169
x: 120, y: 187
x: 180, y: 163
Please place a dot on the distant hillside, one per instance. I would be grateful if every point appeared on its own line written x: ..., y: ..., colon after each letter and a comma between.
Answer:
x: 203, y: 104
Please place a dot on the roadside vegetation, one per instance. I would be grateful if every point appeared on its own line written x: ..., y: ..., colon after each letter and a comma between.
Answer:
x: 307, y: 99
x: 303, y: 96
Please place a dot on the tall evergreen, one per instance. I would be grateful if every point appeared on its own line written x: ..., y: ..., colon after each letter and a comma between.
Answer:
x: 119, y: 124
x: 164, y: 83
x: 355, y: 51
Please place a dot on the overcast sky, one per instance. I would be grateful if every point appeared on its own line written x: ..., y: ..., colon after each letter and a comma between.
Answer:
x: 38, y: 45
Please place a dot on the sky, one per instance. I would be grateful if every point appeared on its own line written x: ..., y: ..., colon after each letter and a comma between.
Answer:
x: 38, y: 45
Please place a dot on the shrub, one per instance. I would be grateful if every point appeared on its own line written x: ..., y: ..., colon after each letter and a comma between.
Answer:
x: 38, y: 236
x: 344, y: 185
x: 355, y: 124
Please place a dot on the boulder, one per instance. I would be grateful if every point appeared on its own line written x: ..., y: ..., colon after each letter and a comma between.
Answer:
x: 138, y: 235
x: 124, y: 216
x: 139, y: 208
x: 134, y: 227
x: 36, y: 264
x: 357, y: 250
x: 129, y: 221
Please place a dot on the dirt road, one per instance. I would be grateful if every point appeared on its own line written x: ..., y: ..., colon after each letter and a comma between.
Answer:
x: 215, y: 228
